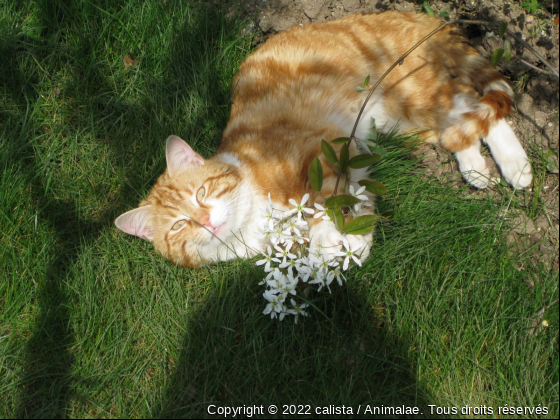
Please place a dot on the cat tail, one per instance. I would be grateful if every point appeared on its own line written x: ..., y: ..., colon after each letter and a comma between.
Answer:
x: 474, y: 117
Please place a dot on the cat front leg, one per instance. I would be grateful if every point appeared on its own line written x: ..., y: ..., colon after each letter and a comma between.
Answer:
x: 325, y: 237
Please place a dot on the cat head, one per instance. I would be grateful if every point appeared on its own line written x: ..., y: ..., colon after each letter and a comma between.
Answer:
x: 193, y: 209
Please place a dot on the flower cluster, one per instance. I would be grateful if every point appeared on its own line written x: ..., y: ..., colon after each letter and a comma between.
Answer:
x: 292, y: 266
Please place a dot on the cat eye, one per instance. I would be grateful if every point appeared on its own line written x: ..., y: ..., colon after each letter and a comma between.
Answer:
x: 200, y: 194
x: 178, y: 225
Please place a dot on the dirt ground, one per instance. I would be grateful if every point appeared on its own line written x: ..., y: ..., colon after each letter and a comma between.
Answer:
x: 536, y: 119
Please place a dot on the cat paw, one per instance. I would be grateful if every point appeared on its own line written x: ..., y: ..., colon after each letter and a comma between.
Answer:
x: 326, y: 238
x: 518, y: 173
x: 477, y: 179
x: 473, y: 167
x: 509, y: 155
x: 327, y: 241
x: 360, y: 244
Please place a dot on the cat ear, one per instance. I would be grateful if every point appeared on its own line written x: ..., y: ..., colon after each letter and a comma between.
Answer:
x: 179, y: 155
x: 135, y: 222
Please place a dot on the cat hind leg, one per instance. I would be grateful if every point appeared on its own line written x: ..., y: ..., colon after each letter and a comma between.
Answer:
x: 470, y: 120
x: 509, y: 155
x: 464, y: 141
x: 472, y: 166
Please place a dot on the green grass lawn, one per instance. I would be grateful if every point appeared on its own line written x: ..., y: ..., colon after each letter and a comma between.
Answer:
x: 94, y: 323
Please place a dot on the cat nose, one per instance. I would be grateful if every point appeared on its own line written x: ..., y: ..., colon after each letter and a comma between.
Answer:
x: 205, y: 220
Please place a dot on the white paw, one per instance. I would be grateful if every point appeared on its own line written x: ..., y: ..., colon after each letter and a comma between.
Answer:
x: 326, y: 238
x: 517, y: 172
x: 473, y: 167
x: 509, y: 155
x: 360, y: 244
x: 477, y: 178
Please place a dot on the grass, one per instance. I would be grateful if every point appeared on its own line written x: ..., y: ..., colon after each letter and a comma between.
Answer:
x: 94, y: 324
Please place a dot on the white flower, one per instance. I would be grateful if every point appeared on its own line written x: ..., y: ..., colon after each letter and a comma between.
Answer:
x: 358, y: 194
x: 270, y: 216
x: 274, y: 306
x: 304, y: 268
x: 335, y: 272
x: 348, y: 253
x: 275, y: 284
x: 275, y: 273
x: 277, y: 236
x: 327, y: 262
x: 321, y: 212
x: 297, y: 310
x: 268, y: 258
x: 290, y: 265
x: 285, y: 253
x: 299, y: 208
x: 288, y: 285
x: 318, y: 278
x: 293, y: 225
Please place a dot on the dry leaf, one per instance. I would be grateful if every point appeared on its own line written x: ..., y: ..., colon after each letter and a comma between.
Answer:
x: 129, y: 61
x: 556, y: 20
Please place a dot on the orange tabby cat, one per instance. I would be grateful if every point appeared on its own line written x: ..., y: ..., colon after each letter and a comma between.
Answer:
x: 300, y: 87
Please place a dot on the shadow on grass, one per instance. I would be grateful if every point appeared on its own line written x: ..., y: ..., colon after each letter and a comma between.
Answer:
x: 94, y: 111
x: 342, y: 355
x: 46, y: 384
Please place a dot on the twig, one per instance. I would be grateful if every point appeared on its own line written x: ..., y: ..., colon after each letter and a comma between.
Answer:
x: 399, y: 60
x: 535, y: 67
x: 372, y: 89
x: 513, y: 35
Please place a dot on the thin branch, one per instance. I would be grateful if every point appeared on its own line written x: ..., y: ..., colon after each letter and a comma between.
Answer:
x: 535, y: 67
x: 399, y: 61
x: 372, y: 89
x: 514, y: 36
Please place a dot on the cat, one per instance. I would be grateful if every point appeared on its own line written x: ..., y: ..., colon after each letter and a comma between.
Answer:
x: 298, y: 88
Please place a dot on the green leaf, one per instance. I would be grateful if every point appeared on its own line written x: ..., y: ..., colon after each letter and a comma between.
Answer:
x: 531, y: 7
x: 329, y: 152
x: 361, y: 89
x: 363, y: 160
x: 344, y: 158
x: 340, y: 140
x: 343, y: 200
x: 379, y: 150
x: 330, y: 213
x: 374, y: 147
x: 502, y: 29
x: 338, y: 218
x: 316, y: 174
x: 443, y: 14
x: 336, y: 168
x: 366, y: 82
x: 374, y: 187
x: 497, y: 56
x: 428, y: 9
x: 361, y: 225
